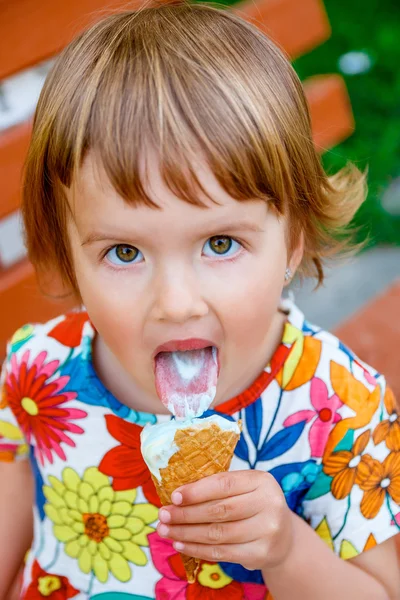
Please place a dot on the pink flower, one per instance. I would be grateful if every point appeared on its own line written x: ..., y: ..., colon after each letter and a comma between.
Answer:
x: 40, y: 405
x: 396, y: 520
x: 212, y: 583
x: 325, y: 416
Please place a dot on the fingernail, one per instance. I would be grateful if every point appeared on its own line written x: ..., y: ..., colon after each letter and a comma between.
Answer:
x: 179, y: 546
x: 164, y: 516
x: 163, y: 530
x: 176, y: 498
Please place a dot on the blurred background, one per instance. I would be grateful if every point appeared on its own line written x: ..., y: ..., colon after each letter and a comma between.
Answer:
x: 347, y: 56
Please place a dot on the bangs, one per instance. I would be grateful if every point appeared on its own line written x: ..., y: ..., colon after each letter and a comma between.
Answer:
x: 188, y: 84
x: 173, y: 93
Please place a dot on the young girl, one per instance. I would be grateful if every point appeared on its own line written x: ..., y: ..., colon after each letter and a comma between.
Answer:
x: 173, y: 184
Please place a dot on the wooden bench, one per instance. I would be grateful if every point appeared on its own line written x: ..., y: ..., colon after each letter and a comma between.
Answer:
x: 373, y: 333
x: 34, y: 30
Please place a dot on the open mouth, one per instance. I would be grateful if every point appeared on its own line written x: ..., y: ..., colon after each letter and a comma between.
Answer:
x: 186, y: 380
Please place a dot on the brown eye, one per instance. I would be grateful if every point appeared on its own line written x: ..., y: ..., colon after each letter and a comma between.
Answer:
x: 220, y: 245
x: 126, y: 253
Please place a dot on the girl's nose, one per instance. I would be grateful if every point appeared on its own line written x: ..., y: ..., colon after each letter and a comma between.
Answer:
x: 179, y: 299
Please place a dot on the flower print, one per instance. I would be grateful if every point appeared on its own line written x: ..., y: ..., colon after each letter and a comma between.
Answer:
x: 389, y: 430
x: 370, y: 543
x: 324, y: 532
x: 246, y: 398
x: 378, y: 480
x: 48, y: 585
x: 39, y: 405
x: 348, y: 550
x: 306, y: 476
x: 3, y: 397
x: 212, y: 582
x: 7, y: 452
x: 296, y: 480
x: 15, y: 442
x: 69, y: 331
x: 396, y: 520
x: 21, y: 336
x: 324, y: 416
x: 101, y: 528
x: 302, y: 362
x: 356, y: 396
x: 125, y: 463
x: 345, y: 466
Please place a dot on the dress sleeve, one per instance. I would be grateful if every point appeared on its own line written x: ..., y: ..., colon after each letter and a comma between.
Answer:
x: 354, y: 502
x: 13, y: 445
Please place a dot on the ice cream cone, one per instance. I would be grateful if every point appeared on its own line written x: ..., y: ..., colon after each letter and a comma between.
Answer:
x: 203, y: 448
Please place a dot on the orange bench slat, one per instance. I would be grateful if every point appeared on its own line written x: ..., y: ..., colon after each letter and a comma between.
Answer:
x: 13, y: 147
x: 297, y: 26
x: 38, y: 30
x: 330, y: 110
x: 34, y: 30
x: 331, y: 115
x: 22, y: 302
x: 373, y: 333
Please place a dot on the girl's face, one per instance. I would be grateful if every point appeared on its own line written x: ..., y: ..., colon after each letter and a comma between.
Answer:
x: 149, y: 276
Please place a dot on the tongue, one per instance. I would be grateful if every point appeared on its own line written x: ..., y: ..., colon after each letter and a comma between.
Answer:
x: 186, y: 381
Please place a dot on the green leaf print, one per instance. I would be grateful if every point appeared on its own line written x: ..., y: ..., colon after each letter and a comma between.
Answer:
x: 321, y: 487
x: 347, y: 442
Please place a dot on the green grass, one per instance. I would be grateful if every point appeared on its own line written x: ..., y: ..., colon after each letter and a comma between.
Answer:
x: 372, y: 26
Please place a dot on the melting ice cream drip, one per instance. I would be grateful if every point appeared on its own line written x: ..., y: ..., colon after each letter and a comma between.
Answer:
x: 186, y: 382
x: 157, y: 441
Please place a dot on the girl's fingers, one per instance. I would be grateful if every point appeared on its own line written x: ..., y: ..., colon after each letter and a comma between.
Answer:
x: 238, y: 532
x: 228, y: 509
x: 221, y: 485
x: 244, y: 554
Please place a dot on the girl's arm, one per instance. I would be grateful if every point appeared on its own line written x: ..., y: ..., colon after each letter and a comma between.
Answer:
x: 314, y: 571
x: 16, y: 500
x: 242, y: 517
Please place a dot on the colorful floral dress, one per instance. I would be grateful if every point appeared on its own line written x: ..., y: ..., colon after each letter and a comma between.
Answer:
x: 323, y: 423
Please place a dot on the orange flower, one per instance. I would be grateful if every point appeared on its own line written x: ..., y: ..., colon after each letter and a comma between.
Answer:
x: 344, y: 467
x: 389, y: 430
x: 378, y: 479
x: 356, y: 396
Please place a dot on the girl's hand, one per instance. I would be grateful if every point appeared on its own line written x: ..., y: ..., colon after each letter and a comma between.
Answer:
x: 239, y: 517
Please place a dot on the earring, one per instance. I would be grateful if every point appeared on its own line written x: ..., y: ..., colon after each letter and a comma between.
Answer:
x: 288, y: 274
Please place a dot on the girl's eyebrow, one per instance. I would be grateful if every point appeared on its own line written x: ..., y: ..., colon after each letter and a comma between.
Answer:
x: 225, y: 227
x: 220, y: 228
x: 93, y: 237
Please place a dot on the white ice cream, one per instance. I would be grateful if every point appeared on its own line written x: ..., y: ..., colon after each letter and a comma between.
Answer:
x: 186, y: 382
x: 157, y: 441
x: 191, y: 405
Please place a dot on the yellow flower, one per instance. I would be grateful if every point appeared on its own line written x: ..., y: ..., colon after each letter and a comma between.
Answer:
x: 212, y: 576
x: 100, y: 527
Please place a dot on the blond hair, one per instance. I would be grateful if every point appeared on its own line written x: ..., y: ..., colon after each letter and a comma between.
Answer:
x: 182, y: 79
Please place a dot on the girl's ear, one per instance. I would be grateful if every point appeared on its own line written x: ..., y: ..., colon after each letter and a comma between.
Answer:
x: 295, y: 258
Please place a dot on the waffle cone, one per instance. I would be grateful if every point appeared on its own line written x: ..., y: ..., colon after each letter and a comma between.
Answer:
x: 201, y: 452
